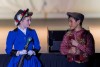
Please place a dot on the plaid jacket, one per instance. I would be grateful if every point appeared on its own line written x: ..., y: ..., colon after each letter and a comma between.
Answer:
x: 83, y: 50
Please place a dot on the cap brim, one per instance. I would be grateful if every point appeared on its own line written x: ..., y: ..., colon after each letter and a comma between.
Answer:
x: 70, y: 14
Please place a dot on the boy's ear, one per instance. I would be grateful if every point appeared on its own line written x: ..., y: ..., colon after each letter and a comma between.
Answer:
x: 78, y: 21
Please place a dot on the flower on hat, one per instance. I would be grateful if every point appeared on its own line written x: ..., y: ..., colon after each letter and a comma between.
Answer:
x: 19, y: 17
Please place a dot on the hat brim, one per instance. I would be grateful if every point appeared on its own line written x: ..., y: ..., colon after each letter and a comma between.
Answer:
x: 70, y: 14
x: 29, y: 14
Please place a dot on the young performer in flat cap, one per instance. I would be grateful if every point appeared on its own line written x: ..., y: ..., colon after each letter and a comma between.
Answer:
x: 17, y: 40
x: 78, y: 43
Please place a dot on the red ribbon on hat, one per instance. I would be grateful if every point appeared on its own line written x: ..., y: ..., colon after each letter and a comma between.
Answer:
x: 17, y: 21
x: 23, y: 13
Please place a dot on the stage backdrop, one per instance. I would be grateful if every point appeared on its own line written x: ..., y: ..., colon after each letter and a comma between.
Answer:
x: 43, y: 25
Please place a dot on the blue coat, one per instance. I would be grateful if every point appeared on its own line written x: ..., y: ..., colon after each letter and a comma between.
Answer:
x: 17, y: 40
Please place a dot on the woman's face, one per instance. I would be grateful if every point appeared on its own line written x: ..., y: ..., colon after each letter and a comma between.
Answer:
x: 26, y: 22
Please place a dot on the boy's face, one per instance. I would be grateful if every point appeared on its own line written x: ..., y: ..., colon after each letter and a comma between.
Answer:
x: 26, y: 22
x: 73, y: 24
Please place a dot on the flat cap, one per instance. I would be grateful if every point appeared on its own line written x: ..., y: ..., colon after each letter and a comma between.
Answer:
x: 76, y: 15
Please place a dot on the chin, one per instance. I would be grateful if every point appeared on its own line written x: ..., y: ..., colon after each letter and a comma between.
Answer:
x: 27, y: 25
x: 71, y: 28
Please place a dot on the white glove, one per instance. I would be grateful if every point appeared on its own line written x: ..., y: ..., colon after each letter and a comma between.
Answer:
x: 21, y: 52
x: 31, y: 52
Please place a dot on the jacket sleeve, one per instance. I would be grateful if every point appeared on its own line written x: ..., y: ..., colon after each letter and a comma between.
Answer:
x: 9, y: 43
x: 64, y: 48
x: 36, y: 46
x: 89, y: 47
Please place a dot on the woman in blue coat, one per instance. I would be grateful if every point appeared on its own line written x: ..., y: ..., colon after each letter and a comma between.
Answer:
x: 17, y: 39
